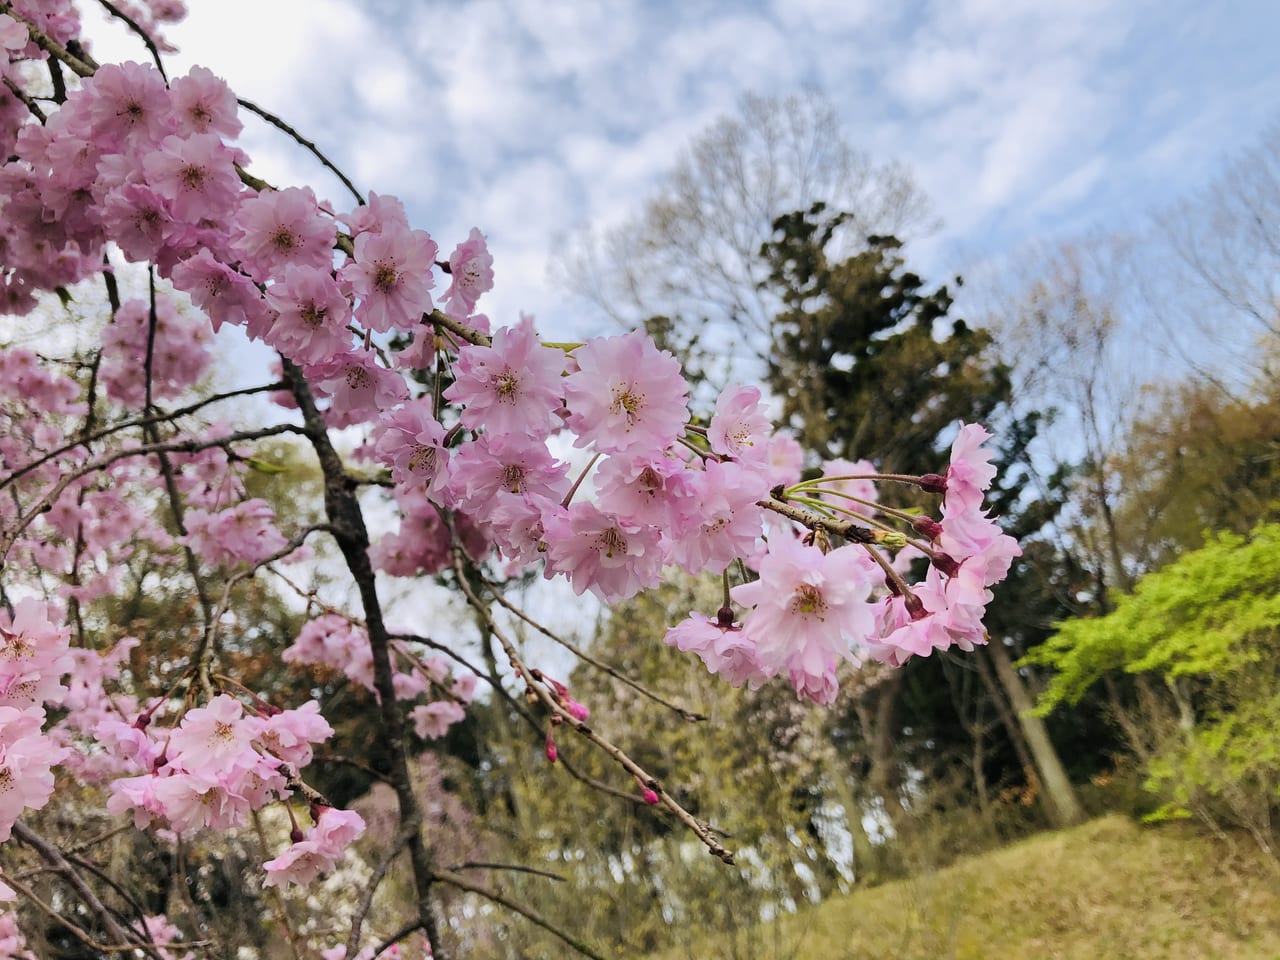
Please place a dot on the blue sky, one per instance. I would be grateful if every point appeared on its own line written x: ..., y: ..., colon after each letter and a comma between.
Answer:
x: 1021, y: 120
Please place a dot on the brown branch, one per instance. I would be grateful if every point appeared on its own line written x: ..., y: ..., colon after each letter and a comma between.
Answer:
x: 685, y: 712
x: 841, y: 528
x: 516, y: 867
x: 208, y: 640
x: 87, y: 438
x: 303, y: 142
x: 344, y: 514
x: 371, y: 887
x: 132, y: 24
x: 53, y: 856
x: 411, y: 927
x: 22, y: 95
x: 186, y: 445
x: 453, y: 880
x: 83, y: 67
x: 534, y: 683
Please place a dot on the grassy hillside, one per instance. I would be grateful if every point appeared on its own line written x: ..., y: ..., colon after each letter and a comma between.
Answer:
x: 1108, y: 890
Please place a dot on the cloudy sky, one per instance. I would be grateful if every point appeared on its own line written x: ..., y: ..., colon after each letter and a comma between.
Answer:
x: 1019, y: 118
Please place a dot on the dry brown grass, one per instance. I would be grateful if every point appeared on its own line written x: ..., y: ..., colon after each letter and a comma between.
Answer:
x: 1108, y: 890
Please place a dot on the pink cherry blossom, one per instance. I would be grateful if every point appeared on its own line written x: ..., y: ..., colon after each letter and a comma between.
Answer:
x: 282, y: 228
x: 810, y: 608
x: 599, y: 553
x: 511, y: 388
x: 433, y: 720
x: 243, y: 533
x: 289, y: 734
x: 740, y: 427
x: 312, y: 315
x: 357, y: 386
x: 626, y: 395
x: 216, y: 736
x: 471, y: 267
x: 391, y: 274
x: 196, y: 174
x: 410, y: 441
x: 203, y: 103
x: 971, y: 470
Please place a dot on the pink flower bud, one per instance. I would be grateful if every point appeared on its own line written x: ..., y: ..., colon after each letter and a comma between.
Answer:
x: 915, y: 606
x: 650, y: 796
x: 576, y: 710
x: 946, y: 564
x: 932, y: 483
x: 552, y: 754
x: 927, y: 526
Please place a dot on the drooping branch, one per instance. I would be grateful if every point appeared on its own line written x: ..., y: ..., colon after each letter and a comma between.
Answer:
x: 690, y: 715
x: 303, y: 142
x: 543, y: 692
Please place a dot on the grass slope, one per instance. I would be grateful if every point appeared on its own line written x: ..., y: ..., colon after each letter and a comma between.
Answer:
x: 1108, y: 889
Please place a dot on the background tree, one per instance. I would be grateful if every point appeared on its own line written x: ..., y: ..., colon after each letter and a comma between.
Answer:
x: 1205, y: 627
x: 688, y: 264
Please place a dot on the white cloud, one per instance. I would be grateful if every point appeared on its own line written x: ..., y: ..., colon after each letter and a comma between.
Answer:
x: 527, y: 119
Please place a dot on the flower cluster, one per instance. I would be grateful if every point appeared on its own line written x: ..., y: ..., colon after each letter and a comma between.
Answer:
x: 481, y: 472
x: 217, y: 766
x: 34, y: 657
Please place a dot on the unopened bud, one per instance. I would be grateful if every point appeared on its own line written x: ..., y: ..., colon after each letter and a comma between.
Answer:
x: 914, y: 605
x: 945, y: 564
x: 650, y: 796
x: 928, y: 527
x: 576, y: 710
x: 724, y: 618
x: 932, y: 483
x: 890, y: 538
x: 295, y: 835
x: 552, y: 754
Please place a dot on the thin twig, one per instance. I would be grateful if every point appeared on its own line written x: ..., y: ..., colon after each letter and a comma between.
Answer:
x: 21, y: 94
x: 132, y: 24
x: 453, y: 880
x: 517, y: 867
x: 685, y: 712
x: 302, y: 141
x: 54, y: 857
x: 371, y: 887
x: 534, y: 683
x: 185, y: 445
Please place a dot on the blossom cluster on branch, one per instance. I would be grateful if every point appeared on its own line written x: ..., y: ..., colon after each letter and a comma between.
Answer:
x: 99, y: 458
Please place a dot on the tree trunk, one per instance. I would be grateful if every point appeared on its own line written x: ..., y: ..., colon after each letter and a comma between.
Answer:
x: 1063, y: 805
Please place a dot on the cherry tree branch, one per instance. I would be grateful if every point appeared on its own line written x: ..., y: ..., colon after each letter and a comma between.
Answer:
x: 534, y: 683
x: 133, y: 25
x: 187, y: 445
x: 690, y: 715
x: 344, y: 514
x: 303, y: 142
x: 462, y: 883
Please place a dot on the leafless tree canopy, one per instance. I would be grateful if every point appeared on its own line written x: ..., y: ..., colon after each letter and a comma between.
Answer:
x: 693, y: 251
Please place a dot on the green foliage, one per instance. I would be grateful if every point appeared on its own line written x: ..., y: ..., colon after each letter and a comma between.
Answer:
x: 1213, y: 611
x: 1207, y: 627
